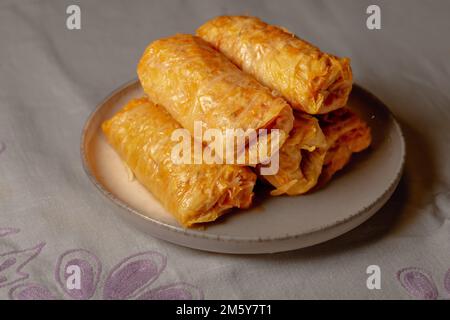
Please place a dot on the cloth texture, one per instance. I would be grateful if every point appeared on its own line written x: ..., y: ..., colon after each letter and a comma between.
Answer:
x: 51, y: 215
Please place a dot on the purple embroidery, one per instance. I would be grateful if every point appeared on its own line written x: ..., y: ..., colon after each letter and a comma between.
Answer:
x: 7, y: 231
x: 12, y: 263
x: 447, y: 281
x: 133, y: 273
x: 176, y: 291
x: 418, y: 283
x: 7, y: 263
x: 30, y: 292
x: 90, y: 267
x: 127, y: 280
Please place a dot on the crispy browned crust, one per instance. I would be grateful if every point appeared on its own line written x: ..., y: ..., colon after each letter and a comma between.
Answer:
x: 195, y: 82
x: 194, y: 193
x: 311, y: 80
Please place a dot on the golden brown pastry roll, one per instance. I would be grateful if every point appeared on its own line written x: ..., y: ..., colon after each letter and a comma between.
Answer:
x: 193, y: 193
x: 311, y: 80
x: 301, y: 158
x: 346, y: 133
x: 195, y: 82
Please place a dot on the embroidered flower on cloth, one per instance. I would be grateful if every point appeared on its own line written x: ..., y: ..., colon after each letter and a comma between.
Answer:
x: 420, y: 284
x: 132, y: 278
x: 13, y: 263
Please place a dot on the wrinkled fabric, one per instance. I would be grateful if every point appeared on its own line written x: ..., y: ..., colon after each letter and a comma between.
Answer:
x: 51, y: 78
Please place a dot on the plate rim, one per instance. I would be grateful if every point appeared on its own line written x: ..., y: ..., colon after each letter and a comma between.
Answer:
x: 383, y: 197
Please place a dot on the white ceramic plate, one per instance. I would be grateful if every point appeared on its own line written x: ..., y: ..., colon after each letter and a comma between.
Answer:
x: 276, y: 223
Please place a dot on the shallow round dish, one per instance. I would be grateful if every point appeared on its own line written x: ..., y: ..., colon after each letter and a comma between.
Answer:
x: 274, y: 224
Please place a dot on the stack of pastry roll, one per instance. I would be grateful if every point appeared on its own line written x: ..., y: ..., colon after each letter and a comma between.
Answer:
x: 187, y: 80
x: 236, y: 73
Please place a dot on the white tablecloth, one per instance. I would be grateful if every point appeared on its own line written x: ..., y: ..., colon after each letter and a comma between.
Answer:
x: 51, y: 216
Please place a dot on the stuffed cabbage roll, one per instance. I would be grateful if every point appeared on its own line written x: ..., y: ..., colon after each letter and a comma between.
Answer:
x: 195, y: 82
x: 194, y: 193
x: 311, y: 80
